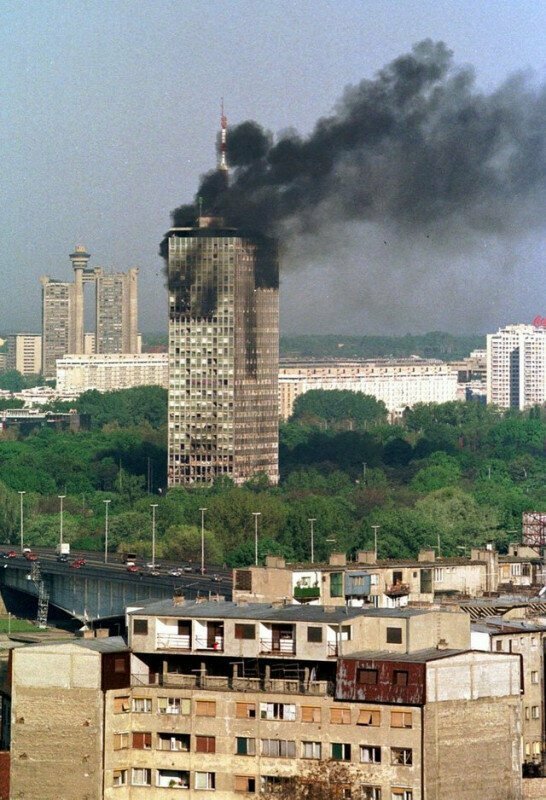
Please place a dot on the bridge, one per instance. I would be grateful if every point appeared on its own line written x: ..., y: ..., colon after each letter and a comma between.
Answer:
x: 98, y: 591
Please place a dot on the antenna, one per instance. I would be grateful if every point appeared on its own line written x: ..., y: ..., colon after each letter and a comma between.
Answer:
x: 222, y: 155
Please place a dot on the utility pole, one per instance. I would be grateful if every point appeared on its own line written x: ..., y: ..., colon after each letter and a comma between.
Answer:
x: 106, y: 504
x: 61, y: 498
x: 153, y: 506
x: 21, y: 521
x: 375, y: 529
x: 256, y: 514
x: 202, y: 510
x: 312, y: 520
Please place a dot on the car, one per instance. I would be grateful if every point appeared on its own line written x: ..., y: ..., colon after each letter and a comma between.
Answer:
x: 11, y: 554
x: 216, y: 578
x: 132, y: 568
x: 31, y: 556
x: 63, y: 557
x: 76, y: 564
x: 26, y: 549
x: 187, y: 568
x: 154, y: 565
x: 153, y: 572
x: 176, y: 573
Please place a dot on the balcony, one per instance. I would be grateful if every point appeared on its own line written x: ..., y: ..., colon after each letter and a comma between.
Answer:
x: 175, y: 680
x: 282, y: 647
x: 332, y: 649
x: 172, y: 641
x: 214, y: 644
x: 306, y: 593
x: 397, y: 590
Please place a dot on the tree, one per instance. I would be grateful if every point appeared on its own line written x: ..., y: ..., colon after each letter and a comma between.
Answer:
x: 326, y: 780
x: 338, y: 406
x: 183, y: 543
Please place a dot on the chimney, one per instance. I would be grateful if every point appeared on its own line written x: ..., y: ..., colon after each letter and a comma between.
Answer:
x: 427, y: 554
x: 178, y: 599
x: 365, y: 557
x: 442, y: 644
x: 275, y: 562
x: 338, y: 560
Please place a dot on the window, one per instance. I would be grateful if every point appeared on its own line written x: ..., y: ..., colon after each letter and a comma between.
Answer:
x: 394, y: 635
x: 438, y: 574
x: 311, y: 749
x: 537, y: 748
x: 205, y: 744
x: 535, y: 712
x: 371, y: 793
x: 142, y: 741
x: 400, y: 677
x: 272, y: 783
x: 173, y: 705
x: 205, y: 708
x: 122, y: 704
x: 534, y: 676
x: 498, y: 645
x: 119, y: 665
x: 245, y: 631
x: 346, y: 633
x: 341, y: 751
x: 244, y: 783
x: 140, y: 627
x: 310, y: 714
x: 278, y: 748
x: 177, y: 742
x: 121, y: 741
x: 205, y: 780
x: 245, y: 710
x: 401, y: 755
x: 401, y: 794
x: 142, y: 705
x: 336, y: 584
x: 285, y: 711
x: 526, y: 712
x: 368, y: 717
x: 314, y: 633
x: 370, y: 754
x: 141, y: 777
x: 245, y: 746
x: 401, y: 719
x: 119, y: 777
x: 340, y: 716
x: 367, y: 676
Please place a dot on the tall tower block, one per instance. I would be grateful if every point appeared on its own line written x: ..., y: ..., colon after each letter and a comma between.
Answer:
x: 80, y: 260
x: 223, y: 354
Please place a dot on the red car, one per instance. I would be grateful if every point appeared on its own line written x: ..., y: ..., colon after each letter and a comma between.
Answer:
x: 31, y: 556
x: 77, y: 564
x: 11, y: 554
x: 132, y: 568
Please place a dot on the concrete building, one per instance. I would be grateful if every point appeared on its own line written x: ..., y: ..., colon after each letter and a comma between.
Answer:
x: 63, y: 313
x: 117, y: 311
x: 223, y: 354
x: 399, y: 383
x: 58, y: 325
x: 516, y: 367
x: 215, y: 696
x: 110, y: 371
x: 24, y: 353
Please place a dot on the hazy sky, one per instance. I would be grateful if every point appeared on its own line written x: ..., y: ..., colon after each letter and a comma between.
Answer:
x: 109, y: 115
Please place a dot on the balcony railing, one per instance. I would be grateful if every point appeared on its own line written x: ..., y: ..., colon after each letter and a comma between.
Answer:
x: 176, y: 680
x: 283, y: 647
x: 306, y: 592
x: 397, y: 590
x: 173, y: 641
x: 214, y: 645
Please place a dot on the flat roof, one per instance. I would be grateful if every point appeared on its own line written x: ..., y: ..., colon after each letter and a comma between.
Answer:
x: 418, y: 657
x: 272, y: 613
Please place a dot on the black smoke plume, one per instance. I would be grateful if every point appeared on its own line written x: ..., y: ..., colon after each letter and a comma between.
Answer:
x: 418, y: 148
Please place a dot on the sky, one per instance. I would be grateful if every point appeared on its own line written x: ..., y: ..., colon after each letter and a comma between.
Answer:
x: 109, y: 117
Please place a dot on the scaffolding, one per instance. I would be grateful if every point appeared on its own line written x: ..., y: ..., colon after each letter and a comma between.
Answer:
x: 43, y: 595
x: 534, y: 530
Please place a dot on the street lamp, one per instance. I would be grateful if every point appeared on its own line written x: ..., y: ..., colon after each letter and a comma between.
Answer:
x: 202, y: 510
x: 153, y: 506
x: 375, y: 529
x: 106, y: 504
x: 312, y: 520
x: 61, y: 498
x: 21, y: 520
x: 256, y: 514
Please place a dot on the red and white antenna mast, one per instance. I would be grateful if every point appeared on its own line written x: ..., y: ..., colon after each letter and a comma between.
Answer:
x: 222, y: 160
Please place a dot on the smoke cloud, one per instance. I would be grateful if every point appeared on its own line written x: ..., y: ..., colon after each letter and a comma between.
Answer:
x: 417, y: 161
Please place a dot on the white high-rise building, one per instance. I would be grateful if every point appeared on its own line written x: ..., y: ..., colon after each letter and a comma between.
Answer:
x: 516, y: 367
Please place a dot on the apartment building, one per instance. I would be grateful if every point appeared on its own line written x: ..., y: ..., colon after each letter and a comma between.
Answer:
x: 388, y: 583
x: 236, y: 698
x: 526, y: 636
x: 516, y: 367
x: 399, y: 383
x: 24, y: 353
x: 107, y: 372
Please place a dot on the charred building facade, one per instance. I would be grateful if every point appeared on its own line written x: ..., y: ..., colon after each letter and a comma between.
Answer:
x: 223, y: 354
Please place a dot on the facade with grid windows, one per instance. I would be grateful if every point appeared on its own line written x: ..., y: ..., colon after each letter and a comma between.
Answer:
x: 223, y: 354
x: 516, y: 367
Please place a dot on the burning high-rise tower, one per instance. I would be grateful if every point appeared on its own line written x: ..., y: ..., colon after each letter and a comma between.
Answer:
x: 223, y: 346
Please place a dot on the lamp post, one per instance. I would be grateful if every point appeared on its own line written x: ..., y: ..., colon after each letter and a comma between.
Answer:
x: 21, y: 520
x: 311, y: 521
x: 153, y: 506
x: 375, y: 529
x: 256, y: 514
x: 202, y: 510
x: 106, y: 504
x: 61, y: 498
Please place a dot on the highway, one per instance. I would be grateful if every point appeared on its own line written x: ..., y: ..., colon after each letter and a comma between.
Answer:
x: 215, y: 581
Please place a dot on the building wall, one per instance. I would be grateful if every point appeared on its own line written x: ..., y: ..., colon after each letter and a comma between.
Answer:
x: 24, y: 353
x: 58, y: 330
x: 516, y: 367
x: 57, y: 724
x: 223, y: 356
x: 111, y: 371
x: 116, y: 311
